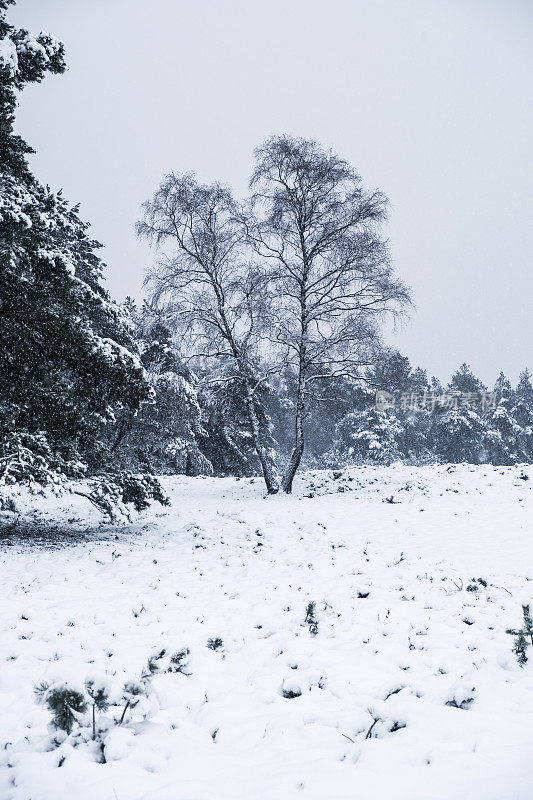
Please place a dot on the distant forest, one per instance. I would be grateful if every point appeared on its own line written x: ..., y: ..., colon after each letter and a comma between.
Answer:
x: 347, y: 421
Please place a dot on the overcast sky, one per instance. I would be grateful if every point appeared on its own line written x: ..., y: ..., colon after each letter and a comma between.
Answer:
x: 431, y: 100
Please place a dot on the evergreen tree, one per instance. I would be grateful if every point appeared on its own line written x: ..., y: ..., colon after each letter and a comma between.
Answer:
x: 503, y: 388
x: 163, y: 436
x: 329, y: 401
x: 522, y: 413
x: 502, y: 436
x: 502, y: 432
x: 465, y: 381
x: 457, y: 426
x: 393, y: 374
x: 67, y: 362
x: 369, y: 436
x: 457, y: 435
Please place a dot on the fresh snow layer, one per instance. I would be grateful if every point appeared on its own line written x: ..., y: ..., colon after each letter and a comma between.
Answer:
x: 409, y: 690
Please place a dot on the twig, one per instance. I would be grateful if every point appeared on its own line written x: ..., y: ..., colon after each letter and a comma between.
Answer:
x: 369, y: 731
x: 124, y: 712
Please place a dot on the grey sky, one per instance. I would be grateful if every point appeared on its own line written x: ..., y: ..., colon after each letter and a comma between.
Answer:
x: 432, y: 101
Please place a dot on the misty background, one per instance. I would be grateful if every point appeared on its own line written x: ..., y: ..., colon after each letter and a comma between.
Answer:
x: 431, y: 100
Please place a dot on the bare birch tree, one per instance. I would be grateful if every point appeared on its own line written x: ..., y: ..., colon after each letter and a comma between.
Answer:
x: 320, y: 231
x: 217, y: 295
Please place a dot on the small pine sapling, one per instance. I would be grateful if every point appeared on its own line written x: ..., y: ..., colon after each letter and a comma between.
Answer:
x: 179, y: 661
x: 131, y: 694
x: 520, y: 647
x: 152, y: 666
x: 476, y: 583
x: 528, y: 622
x: 215, y: 644
x: 310, y: 618
x: 134, y: 690
x: 100, y: 701
x: 520, y: 643
x: 65, y: 704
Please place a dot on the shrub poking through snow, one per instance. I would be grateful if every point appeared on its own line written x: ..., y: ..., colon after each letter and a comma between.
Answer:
x: 65, y: 704
x: 310, y: 618
x: 520, y: 647
x: 131, y: 694
x: 99, y: 700
x: 475, y: 584
x: 215, y: 644
x: 179, y: 661
x: 528, y: 622
x: 463, y: 704
x: 521, y: 643
x: 152, y: 666
x: 290, y: 689
x: 69, y: 706
x: 134, y: 691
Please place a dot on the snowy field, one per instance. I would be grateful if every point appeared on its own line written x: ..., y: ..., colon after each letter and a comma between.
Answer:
x: 408, y: 690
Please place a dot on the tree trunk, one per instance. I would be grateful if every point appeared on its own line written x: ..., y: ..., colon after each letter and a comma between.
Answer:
x: 298, y: 449
x: 267, y: 465
x: 126, y: 425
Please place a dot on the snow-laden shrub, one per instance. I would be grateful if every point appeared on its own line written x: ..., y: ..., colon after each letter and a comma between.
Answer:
x: 311, y: 618
x: 78, y: 711
x: 522, y: 635
x: 111, y: 494
x: 66, y: 704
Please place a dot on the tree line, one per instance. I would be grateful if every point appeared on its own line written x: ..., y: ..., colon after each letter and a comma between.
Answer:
x: 345, y: 421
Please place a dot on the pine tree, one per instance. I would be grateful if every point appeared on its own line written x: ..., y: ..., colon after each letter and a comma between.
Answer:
x: 457, y: 429
x: 502, y: 435
x: 328, y: 403
x: 503, y: 388
x: 393, y: 374
x: 369, y: 436
x: 163, y: 437
x: 522, y: 413
x: 457, y: 435
x: 465, y: 381
x: 67, y: 362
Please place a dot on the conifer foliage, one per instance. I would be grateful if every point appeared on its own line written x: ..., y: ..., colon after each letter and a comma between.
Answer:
x: 67, y: 361
x: 163, y: 437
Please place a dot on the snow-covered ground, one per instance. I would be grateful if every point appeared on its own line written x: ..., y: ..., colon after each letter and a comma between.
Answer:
x: 409, y: 690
